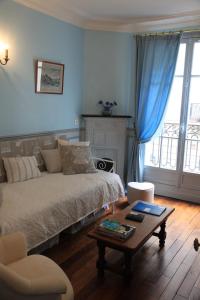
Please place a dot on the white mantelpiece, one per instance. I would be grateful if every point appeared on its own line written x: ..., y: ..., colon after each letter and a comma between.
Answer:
x: 107, y: 136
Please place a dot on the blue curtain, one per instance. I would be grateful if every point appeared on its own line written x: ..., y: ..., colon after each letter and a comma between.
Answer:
x: 155, y: 66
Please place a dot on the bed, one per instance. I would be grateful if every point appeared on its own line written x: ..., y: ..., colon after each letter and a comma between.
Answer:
x: 43, y: 207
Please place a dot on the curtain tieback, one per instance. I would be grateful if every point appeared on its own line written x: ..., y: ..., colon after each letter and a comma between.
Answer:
x: 137, y: 141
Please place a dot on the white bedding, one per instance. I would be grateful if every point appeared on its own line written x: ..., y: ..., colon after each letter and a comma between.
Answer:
x: 43, y: 207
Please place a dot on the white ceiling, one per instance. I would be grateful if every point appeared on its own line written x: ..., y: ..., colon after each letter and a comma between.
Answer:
x: 122, y: 15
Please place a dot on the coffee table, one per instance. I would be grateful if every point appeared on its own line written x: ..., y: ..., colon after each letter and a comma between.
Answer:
x: 130, y: 246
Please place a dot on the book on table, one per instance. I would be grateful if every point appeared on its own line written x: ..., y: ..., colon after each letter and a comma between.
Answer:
x: 115, y: 229
x: 148, y: 208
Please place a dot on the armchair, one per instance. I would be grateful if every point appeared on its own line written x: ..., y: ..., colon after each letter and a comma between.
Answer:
x: 34, y: 277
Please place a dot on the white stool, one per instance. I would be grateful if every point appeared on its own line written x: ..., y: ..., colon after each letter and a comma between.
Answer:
x: 140, y: 191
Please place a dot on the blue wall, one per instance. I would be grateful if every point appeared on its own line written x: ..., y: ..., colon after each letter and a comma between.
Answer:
x: 108, y: 70
x: 32, y: 35
x: 98, y: 65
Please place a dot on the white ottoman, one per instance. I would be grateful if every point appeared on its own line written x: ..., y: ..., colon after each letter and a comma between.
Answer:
x: 140, y: 191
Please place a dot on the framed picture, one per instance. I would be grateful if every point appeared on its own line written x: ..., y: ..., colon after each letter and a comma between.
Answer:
x: 49, y: 77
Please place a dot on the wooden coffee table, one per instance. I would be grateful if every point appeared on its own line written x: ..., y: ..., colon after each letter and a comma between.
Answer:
x: 130, y: 246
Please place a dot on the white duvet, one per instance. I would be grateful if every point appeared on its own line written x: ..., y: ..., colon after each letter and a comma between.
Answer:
x: 44, y: 206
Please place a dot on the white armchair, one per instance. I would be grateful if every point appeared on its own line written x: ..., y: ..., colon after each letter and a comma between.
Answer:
x: 34, y: 277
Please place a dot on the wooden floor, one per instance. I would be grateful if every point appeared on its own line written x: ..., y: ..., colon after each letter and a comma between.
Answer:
x: 170, y: 273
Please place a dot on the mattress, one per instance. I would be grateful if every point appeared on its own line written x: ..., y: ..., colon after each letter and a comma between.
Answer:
x: 43, y: 207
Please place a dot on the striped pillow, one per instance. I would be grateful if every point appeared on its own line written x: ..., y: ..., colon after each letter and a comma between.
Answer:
x: 21, y: 168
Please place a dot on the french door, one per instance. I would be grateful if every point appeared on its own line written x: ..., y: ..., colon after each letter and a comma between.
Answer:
x: 172, y: 159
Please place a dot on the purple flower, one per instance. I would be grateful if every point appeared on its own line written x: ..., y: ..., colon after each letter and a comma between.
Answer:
x: 107, y: 104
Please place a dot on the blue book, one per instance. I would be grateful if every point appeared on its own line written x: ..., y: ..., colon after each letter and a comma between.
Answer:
x: 149, y: 208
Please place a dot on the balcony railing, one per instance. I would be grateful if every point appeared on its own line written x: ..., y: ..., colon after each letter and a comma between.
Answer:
x: 162, y: 151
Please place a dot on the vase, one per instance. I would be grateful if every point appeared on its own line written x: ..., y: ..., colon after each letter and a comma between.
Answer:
x: 107, y: 112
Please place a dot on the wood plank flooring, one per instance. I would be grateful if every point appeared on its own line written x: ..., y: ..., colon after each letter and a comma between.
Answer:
x: 170, y: 273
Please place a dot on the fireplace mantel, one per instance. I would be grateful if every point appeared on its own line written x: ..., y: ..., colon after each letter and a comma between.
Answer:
x: 107, y: 136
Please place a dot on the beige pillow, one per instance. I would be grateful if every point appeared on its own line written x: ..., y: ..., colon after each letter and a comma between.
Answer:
x: 63, y: 142
x: 2, y: 171
x: 76, y: 159
x: 87, y: 143
x: 52, y: 160
x: 21, y: 168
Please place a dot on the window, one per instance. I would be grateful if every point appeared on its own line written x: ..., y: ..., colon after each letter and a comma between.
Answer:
x: 178, y: 144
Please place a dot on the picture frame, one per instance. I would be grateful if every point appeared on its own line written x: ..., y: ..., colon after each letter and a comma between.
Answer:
x: 49, y: 77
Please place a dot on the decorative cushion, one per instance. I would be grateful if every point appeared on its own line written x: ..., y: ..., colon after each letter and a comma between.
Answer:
x: 52, y: 160
x: 2, y: 171
x: 76, y: 159
x: 87, y: 143
x: 63, y: 142
x: 21, y: 168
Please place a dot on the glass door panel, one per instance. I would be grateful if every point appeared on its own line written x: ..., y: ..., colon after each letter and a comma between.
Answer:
x: 162, y: 151
x: 192, y: 140
x: 172, y: 159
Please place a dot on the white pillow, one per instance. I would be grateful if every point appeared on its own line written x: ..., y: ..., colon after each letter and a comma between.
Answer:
x: 52, y: 160
x: 21, y: 168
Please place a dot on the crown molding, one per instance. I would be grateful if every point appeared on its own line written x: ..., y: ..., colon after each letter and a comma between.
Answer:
x: 135, y: 25
x: 173, y: 22
x: 63, y: 15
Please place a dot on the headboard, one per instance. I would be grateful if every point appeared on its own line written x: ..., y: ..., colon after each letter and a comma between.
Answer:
x: 27, y: 145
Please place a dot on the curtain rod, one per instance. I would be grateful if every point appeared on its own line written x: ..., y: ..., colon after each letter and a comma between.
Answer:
x: 168, y: 32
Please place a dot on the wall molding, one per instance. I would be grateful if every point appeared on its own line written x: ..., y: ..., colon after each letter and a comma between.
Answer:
x: 173, y: 22
x: 73, y: 133
x: 136, y: 25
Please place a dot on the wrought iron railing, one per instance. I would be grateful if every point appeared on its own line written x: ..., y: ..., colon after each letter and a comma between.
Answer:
x: 162, y: 151
x: 192, y: 149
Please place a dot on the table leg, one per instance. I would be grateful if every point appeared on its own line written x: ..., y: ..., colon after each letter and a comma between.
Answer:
x: 101, y: 262
x: 162, y: 235
x: 128, y: 265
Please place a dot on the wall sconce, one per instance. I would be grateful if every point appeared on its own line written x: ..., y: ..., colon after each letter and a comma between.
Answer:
x: 5, y: 59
